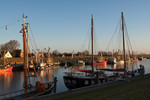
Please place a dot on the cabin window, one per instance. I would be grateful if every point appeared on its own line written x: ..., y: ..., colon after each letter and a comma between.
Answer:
x: 65, y: 80
x: 86, y: 82
x: 74, y: 81
x: 93, y: 82
x: 69, y: 81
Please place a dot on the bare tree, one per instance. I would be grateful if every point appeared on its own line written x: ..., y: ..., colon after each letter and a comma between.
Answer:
x: 86, y: 53
x: 9, y: 46
x: 56, y: 52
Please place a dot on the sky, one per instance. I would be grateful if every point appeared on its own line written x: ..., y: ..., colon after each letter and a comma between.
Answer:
x: 64, y: 24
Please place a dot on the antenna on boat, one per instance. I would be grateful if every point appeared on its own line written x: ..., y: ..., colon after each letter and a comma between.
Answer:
x: 123, y: 44
x: 92, y: 42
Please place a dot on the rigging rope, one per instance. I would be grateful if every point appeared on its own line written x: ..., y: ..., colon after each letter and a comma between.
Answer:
x: 9, y: 24
x: 113, y: 36
x: 33, y: 37
x: 85, y: 40
x: 95, y: 42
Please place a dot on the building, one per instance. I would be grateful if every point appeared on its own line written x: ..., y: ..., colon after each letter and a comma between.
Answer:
x: 8, y: 55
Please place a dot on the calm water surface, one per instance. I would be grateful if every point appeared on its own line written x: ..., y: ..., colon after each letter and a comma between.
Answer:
x: 10, y: 82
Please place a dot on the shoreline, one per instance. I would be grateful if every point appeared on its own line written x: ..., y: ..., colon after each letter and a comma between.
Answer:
x: 94, y: 89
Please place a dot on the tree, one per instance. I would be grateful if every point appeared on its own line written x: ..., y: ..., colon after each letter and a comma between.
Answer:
x: 56, y: 52
x: 86, y: 53
x: 9, y: 46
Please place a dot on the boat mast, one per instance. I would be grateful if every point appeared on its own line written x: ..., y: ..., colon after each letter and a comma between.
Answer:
x: 27, y: 45
x: 25, y: 60
x: 124, y: 54
x: 92, y: 42
x: 4, y: 57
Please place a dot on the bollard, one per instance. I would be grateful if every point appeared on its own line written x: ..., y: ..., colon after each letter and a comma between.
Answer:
x: 97, y: 78
x: 55, y: 83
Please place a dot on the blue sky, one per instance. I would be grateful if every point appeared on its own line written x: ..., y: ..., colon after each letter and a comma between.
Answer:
x: 64, y: 24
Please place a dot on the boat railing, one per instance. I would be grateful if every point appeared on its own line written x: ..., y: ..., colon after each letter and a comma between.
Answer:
x: 52, y: 85
x: 79, y: 74
x: 12, y: 94
x: 21, y: 92
x: 73, y: 74
x: 16, y: 93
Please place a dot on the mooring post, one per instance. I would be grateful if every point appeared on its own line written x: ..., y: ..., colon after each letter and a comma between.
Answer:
x: 97, y: 78
x: 55, y: 83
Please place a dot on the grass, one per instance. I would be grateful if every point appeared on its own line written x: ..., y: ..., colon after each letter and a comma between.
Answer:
x: 135, y: 89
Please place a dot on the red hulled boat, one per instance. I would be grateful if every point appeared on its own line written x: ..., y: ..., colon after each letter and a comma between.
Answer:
x: 6, y: 69
x: 136, y: 60
x: 99, y: 63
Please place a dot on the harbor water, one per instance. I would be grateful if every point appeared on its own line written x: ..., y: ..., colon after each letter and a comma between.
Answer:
x: 10, y: 82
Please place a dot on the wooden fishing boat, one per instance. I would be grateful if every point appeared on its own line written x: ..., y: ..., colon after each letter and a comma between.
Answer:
x: 74, y: 80
x: 89, y: 77
x: 77, y: 80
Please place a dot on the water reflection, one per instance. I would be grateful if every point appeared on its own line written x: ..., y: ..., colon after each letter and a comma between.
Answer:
x: 45, y: 75
x: 5, y: 80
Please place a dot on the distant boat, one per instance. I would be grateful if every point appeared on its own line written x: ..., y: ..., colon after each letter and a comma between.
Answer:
x: 48, y: 64
x: 79, y: 63
x: 141, y: 58
x: 6, y: 66
x: 136, y: 60
x: 100, y: 61
x: 111, y: 61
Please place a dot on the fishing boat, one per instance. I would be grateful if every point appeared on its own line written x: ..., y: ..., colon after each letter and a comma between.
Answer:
x: 79, y: 63
x: 5, y: 68
x: 48, y: 64
x: 100, y: 61
x: 49, y: 61
x: 111, y: 61
x: 84, y: 77
x: 136, y: 60
x: 30, y: 91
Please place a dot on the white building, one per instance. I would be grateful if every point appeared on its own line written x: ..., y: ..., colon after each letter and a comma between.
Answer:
x: 7, y: 55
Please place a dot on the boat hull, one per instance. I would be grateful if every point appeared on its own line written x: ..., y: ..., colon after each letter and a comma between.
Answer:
x: 100, y: 63
x: 6, y: 69
x: 78, y: 82
x: 136, y: 60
